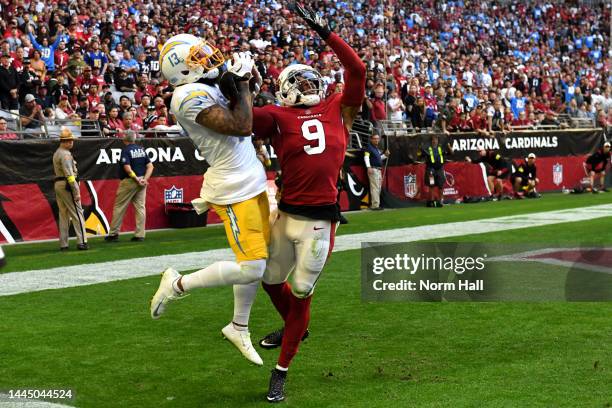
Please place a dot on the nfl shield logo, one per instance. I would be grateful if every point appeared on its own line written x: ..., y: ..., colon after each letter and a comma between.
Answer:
x: 173, y: 195
x: 557, y: 174
x: 410, y: 185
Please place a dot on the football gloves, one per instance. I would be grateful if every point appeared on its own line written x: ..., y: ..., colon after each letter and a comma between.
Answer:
x: 241, y: 65
x: 314, y: 20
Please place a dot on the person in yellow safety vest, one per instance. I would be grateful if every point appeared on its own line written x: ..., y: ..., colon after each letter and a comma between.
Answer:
x: 434, y: 170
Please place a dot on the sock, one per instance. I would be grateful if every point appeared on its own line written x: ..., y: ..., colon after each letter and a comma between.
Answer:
x: 217, y: 274
x: 279, y: 368
x: 280, y: 294
x: 244, y: 296
x: 295, y: 326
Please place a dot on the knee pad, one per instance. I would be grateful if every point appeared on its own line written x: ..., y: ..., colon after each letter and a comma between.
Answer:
x: 302, y: 289
x: 253, y: 270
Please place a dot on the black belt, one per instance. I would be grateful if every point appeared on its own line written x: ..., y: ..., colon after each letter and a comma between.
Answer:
x: 55, y: 180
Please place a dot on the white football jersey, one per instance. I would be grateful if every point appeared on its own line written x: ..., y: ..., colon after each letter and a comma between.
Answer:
x: 235, y: 174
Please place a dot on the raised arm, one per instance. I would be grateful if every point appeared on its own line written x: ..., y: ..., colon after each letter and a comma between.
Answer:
x: 355, y: 70
x: 33, y: 38
x: 58, y: 38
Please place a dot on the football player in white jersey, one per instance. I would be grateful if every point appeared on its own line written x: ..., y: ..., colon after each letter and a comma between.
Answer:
x: 234, y: 184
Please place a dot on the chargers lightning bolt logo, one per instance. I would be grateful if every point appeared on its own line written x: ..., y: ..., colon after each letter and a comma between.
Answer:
x: 234, y: 226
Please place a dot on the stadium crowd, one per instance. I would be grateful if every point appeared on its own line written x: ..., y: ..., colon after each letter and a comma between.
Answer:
x: 452, y: 65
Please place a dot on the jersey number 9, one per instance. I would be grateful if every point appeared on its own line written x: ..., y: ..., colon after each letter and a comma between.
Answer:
x: 318, y: 134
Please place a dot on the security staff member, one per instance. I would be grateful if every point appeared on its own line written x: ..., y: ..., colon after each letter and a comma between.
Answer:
x: 374, y: 158
x: 434, y: 170
x: 67, y: 192
x: 135, y: 170
x: 524, y: 179
x: 498, y: 169
x: 596, y: 164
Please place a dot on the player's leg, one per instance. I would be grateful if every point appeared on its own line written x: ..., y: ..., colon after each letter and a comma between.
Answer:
x: 280, y: 264
x: 312, y: 250
x: 244, y: 230
x: 254, y: 216
x: 222, y: 273
x: 244, y: 295
x: 602, y: 180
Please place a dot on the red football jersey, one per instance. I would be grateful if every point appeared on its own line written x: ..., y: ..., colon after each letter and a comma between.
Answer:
x: 310, y: 144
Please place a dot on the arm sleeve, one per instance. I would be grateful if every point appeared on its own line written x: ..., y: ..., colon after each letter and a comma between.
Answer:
x: 34, y: 42
x: 264, y: 124
x: 366, y: 159
x: 354, y: 71
x: 58, y: 38
x: 125, y: 158
x: 67, y: 166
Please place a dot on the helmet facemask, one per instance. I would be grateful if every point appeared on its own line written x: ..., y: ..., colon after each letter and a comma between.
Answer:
x: 206, y: 55
x: 302, y: 87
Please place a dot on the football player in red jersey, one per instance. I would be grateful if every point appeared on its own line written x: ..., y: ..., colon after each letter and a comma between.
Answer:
x: 309, y: 135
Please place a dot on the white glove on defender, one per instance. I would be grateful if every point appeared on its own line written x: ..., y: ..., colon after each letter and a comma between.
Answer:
x: 241, y: 64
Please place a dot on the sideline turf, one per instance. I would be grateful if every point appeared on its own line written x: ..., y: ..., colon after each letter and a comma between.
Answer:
x: 100, y: 341
x: 46, y: 255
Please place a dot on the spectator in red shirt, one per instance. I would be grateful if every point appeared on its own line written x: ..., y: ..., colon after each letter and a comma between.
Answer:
x: 114, y: 121
x: 142, y: 110
x: 5, y: 133
x: 61, y: 57
x: 378, y: 108
x: 93, y: 95
x: 479, y: 120
x: 522, y: 120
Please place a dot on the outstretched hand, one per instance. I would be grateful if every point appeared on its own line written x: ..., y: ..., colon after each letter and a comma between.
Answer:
x: 314, y: 20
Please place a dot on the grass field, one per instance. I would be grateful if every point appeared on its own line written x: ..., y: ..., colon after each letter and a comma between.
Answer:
x: 100, y: 341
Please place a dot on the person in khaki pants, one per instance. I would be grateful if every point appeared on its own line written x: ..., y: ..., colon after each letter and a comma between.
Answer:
x: 134, y: 171
x: 67, y: 192
x: 373, y: 159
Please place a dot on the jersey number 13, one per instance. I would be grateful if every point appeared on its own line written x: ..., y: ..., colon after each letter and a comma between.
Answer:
x: 313, y: 130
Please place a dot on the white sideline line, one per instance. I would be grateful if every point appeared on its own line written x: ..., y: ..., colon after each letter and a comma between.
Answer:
x: 6, y: 402
x: 89, y: 274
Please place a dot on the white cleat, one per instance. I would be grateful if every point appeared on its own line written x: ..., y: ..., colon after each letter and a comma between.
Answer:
x: 242, y: 340
x: 165, y: 293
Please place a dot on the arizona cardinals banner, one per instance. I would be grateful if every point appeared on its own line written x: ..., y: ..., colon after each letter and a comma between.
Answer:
x: 28, y: 210
x: 512, y: 145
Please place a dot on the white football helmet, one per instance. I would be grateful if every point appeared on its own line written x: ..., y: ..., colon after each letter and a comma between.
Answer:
x: 300, y: 85
x: 186, y: 58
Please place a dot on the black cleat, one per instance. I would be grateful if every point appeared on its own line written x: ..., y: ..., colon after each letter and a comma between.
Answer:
x: 112, y: 238
x: 274, y: 339
x: 137, y: 239
x: 83, y: 247
x: 343, y: 220
x: 276, y: 390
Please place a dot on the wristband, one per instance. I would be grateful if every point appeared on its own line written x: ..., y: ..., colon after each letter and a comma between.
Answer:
x: 132, y: 175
